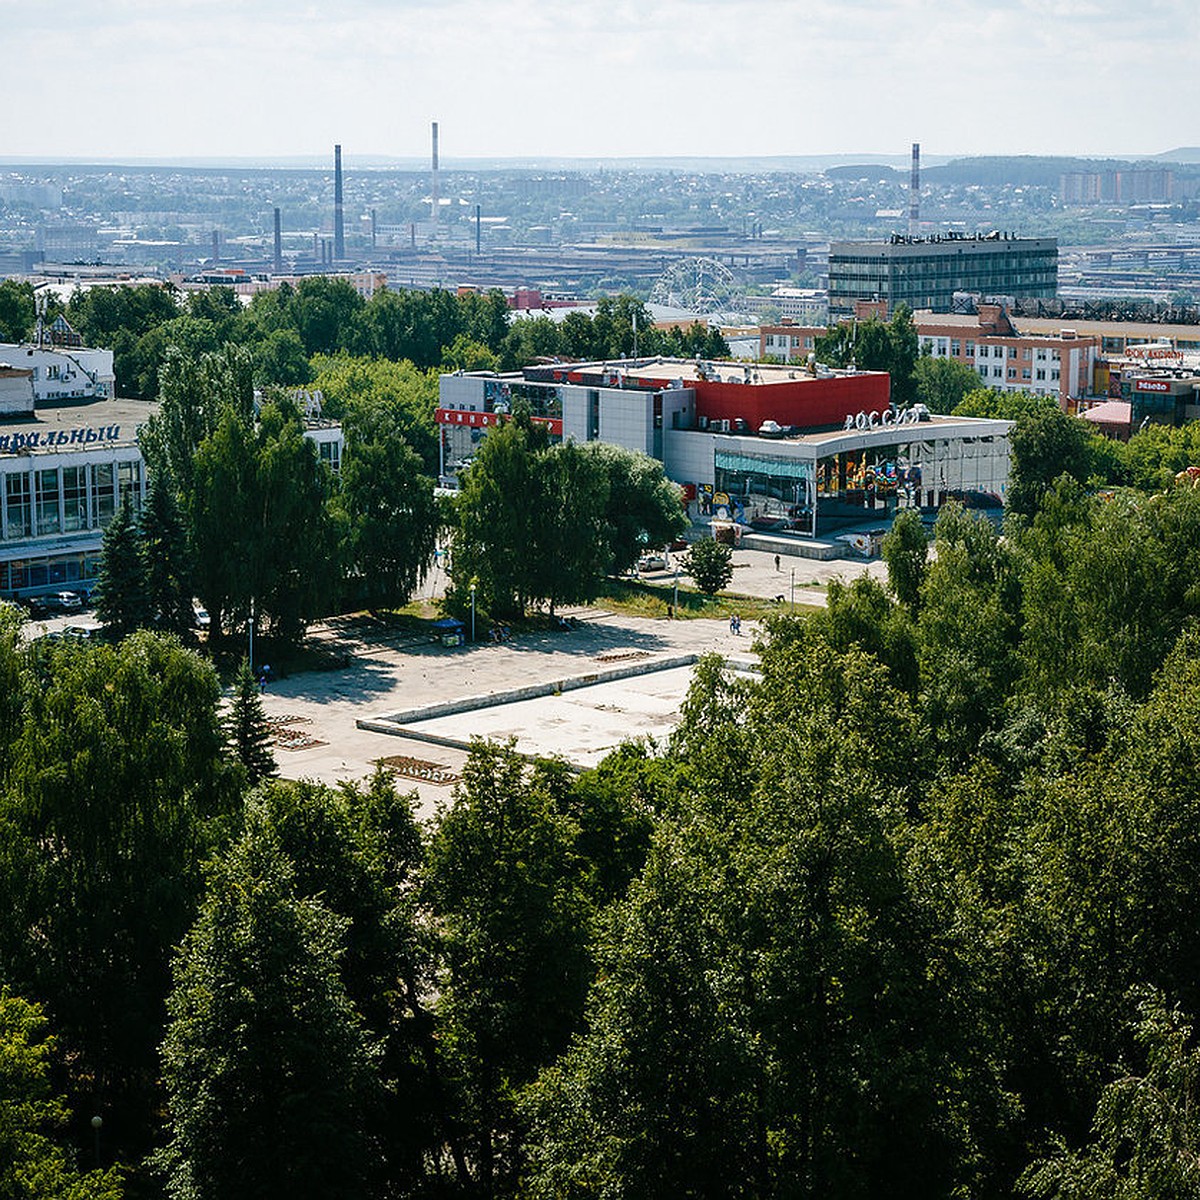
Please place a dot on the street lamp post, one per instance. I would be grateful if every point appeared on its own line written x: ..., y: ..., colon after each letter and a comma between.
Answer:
x: 472, y: 612
x: 252, y: 633
x: 675, y: 606
x: 793, y: 589
x: 97, y: 1123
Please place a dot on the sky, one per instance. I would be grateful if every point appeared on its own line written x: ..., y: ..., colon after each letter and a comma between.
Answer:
x: 136, y: 79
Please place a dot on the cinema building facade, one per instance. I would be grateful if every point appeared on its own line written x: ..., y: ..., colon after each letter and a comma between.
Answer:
x: 790, y: 449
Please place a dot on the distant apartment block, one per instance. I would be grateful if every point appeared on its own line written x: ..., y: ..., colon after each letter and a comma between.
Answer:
x: 1008, y: 359
x: 1142, y: 186
x: 925, y: 272
x: 789, y: 342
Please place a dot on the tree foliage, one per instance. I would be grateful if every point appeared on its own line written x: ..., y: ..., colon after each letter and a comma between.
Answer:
x: 710, y: 564
x: 271, y: 1077
x: 35, y: 1164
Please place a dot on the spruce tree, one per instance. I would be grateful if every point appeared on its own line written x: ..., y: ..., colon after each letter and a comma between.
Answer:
x: 249, y: 734
x: 121, y: 587
x: 164, y: 550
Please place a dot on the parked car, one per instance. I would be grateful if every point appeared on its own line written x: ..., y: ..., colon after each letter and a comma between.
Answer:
x: 68, y: 601
x: 202, y: 619
x: 652, y: 562
x: 83, y: 633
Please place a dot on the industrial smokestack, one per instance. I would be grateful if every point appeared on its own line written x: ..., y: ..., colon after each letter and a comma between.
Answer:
x: 339, y: 236
x: 278, y: 244
x: 478, y: 224
x: 914, y: 192
x: 436, y: 198
x: 216, y: 246
x: 374, y: 229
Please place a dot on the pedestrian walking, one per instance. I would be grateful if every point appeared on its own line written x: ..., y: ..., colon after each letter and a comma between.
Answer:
x: 777, y: 562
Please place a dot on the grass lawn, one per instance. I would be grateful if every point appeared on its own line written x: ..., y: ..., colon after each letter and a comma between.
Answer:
x: 641, y: 599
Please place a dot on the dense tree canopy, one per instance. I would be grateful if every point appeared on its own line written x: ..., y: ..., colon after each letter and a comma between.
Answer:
x: 545, y: 523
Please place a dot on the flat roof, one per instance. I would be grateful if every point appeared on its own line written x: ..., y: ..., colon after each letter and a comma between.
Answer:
x: 941, y: 244
x: 650, y: 372
x: 127, y: 415
x: 833, y: 441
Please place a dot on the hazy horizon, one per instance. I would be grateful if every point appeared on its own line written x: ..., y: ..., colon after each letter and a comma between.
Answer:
x: 218, y: 81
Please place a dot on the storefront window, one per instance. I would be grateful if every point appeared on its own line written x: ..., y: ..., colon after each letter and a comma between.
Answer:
x: 18, y: 523
x: 74, y: 498
x: 48, y: 519
x: 103, y: 497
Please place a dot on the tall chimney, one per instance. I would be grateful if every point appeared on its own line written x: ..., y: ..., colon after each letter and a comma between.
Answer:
x: 216, y: 246
x: 478, y: 223
x: 278, y: 244
x: 374, y: 229
x: 339, y: 236
x: 914, y: 192
x: 437, y: 203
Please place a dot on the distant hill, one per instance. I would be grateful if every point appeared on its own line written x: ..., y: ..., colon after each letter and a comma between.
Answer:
x: 871, y: 171
x: 1031, y: 170
x: 1183, y: 154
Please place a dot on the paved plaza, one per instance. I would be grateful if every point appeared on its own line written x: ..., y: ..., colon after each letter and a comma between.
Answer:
x: 316, y: 713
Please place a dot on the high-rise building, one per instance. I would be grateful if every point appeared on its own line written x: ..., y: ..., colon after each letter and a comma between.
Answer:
x: 926, y: 272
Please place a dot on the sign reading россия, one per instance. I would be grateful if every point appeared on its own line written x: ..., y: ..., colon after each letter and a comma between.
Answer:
x: 51, y: 439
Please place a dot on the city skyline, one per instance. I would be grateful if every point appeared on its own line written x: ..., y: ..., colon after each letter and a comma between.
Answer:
x: 666, y: 78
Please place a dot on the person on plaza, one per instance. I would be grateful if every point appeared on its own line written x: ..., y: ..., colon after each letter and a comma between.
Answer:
x: 777, y: 562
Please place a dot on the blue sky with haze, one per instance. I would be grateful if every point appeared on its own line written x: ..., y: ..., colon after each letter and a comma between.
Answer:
x: 591, y: 78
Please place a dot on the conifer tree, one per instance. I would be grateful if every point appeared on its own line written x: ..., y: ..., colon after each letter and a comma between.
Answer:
x: 121, y: 588
x: 249, y: 734
x: 164, y: 550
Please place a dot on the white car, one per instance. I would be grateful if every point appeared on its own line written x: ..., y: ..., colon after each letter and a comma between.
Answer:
x: 68, y: 601
x: 652, y: 562
x: 202, y: 618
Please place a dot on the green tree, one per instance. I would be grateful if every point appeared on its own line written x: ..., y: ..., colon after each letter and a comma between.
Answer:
x: 388, y: 510
x: 195, y: 392
x: 763, y: 1021
x: 359, y: 852
x: 570, y: 551
x: 404, y: 397
x: 506, y: 888
x: 279, y: 359
x: 968, y: 631
x: 270, y: 1075
x: 249, y: 733
x: 1045, y: 445
x: 293, y: 573
x: 120, y: 767
x: 906, y: 552
x: 122, y: 602
x: 496, y: 531
x: 464, y: 354
x: 18, y: 310
x: 941, y: 384
x: 221, y: 505
x: 323, y: 311
x: 644, y: 509
x: 710, y: 564
x: 34, y: 1164
x: 875, y: 345
x: 167, y: 573
x: 1146, y: 1129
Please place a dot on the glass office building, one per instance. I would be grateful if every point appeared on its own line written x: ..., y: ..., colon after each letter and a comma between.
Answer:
x: 926, y: 272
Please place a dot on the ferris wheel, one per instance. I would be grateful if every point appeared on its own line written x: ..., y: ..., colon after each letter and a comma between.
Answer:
x: 701, y: 285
